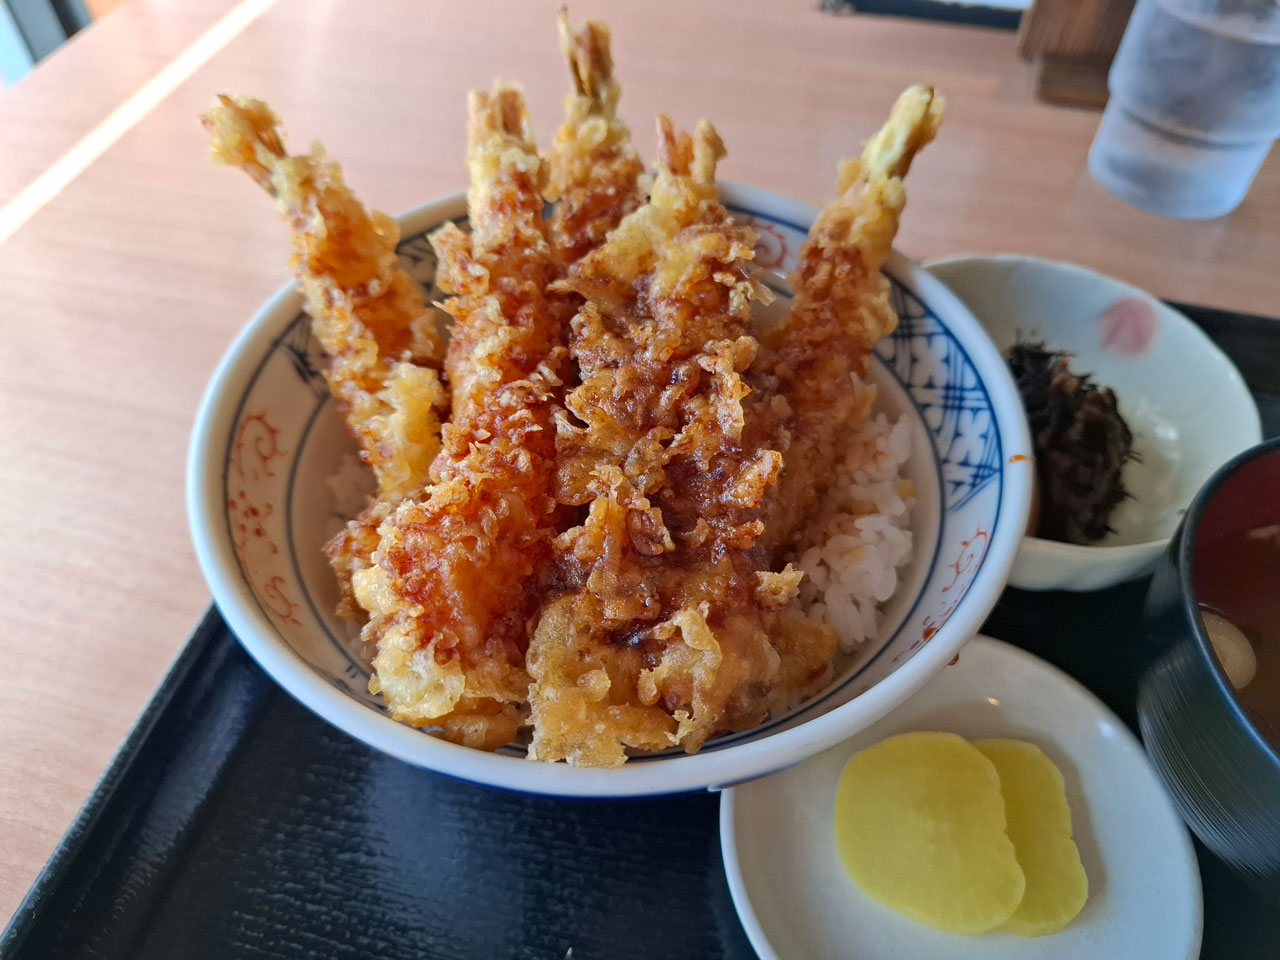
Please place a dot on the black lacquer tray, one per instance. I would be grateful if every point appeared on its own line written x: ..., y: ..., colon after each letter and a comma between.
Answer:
x: 235, y: 824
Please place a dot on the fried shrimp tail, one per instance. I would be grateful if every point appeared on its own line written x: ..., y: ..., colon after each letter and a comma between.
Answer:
x: 457, y: 569
x: 666, y: 630
x: 595, y: 172
x: 381, y: 339
x: 822, y: 353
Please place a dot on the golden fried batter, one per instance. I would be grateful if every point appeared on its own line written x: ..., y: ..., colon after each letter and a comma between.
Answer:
x: 384, y: 350
x: 456, y: 571
x: 664, y: 634
x: 602, y: 564
x: 595, y: 171
x: 821, y: 355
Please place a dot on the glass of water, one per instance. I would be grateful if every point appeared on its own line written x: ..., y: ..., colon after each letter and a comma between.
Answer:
x: 1194, y: 107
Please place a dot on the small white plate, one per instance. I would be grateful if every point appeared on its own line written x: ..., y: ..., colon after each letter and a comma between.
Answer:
x: 797, y: 902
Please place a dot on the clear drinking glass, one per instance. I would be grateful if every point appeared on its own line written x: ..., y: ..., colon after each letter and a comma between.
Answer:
x: 1195, y: 105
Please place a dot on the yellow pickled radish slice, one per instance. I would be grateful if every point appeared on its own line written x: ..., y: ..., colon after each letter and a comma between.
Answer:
x: 1039, y: 824
x: 920, y: 826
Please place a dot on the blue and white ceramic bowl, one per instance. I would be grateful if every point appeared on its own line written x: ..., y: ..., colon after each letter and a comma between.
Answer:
x: 267, y: 441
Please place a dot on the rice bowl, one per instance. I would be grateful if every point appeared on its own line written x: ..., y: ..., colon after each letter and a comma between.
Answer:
x: 970, y: 492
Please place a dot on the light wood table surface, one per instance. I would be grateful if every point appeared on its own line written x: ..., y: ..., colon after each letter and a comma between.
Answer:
x: 139, y: 261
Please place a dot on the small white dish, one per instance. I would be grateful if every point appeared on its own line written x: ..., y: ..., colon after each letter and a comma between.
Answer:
x: 796, y: 901
x: 1186, y: 403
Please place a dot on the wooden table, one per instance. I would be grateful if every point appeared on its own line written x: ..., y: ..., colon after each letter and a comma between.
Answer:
x: 131, y: 263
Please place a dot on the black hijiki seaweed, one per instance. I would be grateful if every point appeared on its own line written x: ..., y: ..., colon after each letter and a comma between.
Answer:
x: 1081, y: 444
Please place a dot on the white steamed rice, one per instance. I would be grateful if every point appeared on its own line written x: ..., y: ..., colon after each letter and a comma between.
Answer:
x: 860, y: 536
x: 351, y: 485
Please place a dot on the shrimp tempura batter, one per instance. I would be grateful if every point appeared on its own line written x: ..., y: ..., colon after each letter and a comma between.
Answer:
x: 595, y: 171
x: 664, y: 635
x: 381, y: 339
x: 605, y: 565
x: 455, y: 572
x: 822, y: 353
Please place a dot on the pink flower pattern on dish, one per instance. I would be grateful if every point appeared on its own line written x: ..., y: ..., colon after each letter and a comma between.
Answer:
x: 1127, y: 326
x: 256, y: 446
